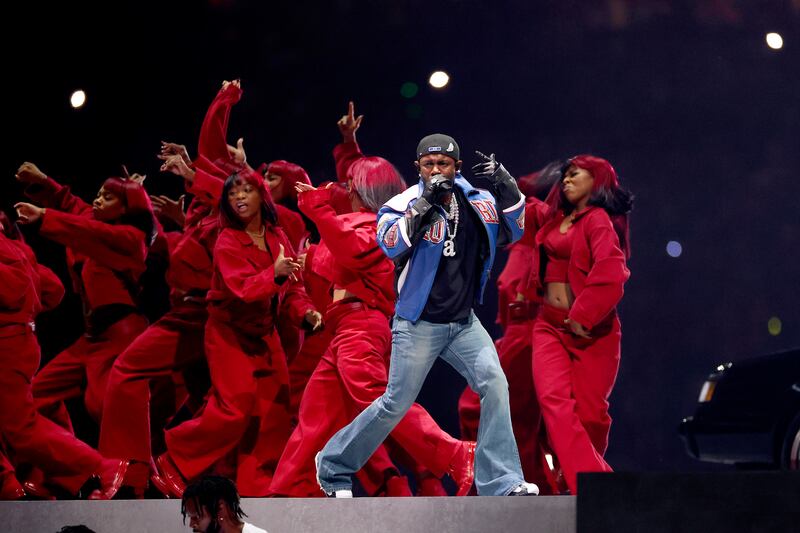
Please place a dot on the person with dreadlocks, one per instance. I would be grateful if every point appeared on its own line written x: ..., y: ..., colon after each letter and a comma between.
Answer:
x: 516, y: 314
x: 213, y: 506
x: 580, y: 270
x: 255, y: 279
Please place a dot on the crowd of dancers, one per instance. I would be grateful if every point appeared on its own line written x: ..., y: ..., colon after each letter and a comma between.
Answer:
x: 303, y: 321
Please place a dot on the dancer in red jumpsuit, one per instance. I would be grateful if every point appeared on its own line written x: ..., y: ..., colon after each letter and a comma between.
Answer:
x: 580, y: 270
x: 255, y: 279
x: 353, y: 371
x: 107, y: 244
x: 29, y: 437
x: 516, y: 313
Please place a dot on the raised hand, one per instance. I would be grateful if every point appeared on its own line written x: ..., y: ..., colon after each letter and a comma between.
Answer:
x: 165, y: 207
x: 177, y: 165
x: 285, y: 266
x: 135, y: 177
x: 169, y: 149
x: 237, y: 152
x: 487, y: 165
x: 348, y: 124
x: 30, y: 174
x: 28, y: 213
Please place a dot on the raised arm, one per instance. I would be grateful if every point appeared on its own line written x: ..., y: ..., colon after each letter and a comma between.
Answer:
x: 213, y: 133
x: 47, y: 192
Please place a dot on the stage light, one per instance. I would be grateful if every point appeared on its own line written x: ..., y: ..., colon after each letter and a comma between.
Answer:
x: 409, y: 89
x: 439, y: 79
x: 774, y: 41
x: 674, y: 249
x: 77, y: 99
x: 774, y: 326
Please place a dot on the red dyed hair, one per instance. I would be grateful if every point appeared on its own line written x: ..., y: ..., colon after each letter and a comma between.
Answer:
x: 138, y: 210
x: 606, y: 193
x: 375, y: 180
x: 290, y: 173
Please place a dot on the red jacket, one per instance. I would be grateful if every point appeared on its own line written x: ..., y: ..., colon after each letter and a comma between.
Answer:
x: 596, y: 270
x: 243, y: 289
x: 27, y: 286
x: 514, y: 277
x: 345, y: 154
x: 354, y: 260
x: 112, y: 255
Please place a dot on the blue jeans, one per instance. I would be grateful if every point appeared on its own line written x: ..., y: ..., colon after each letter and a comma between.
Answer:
x: 415, y: 346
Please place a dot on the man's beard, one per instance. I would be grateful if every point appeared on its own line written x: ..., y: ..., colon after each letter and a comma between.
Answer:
x: 213, y: 527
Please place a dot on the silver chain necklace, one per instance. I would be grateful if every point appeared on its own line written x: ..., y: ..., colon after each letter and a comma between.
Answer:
x: 452, y: 214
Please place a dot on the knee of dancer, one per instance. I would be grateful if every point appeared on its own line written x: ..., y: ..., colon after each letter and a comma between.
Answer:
x: 492, y: 382
x: 395, y: 406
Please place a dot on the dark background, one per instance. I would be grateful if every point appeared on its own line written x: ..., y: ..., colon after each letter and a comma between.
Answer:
x: 699, y: 117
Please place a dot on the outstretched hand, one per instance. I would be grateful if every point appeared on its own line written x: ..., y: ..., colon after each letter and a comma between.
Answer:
x: 170, y: 149
x: 285, y: 266
x: 28, y: 213
x: 166, y: 207
x: 177, y: 165
x: 237, y: 153
x: 30, y: 174
x: 301, y: 187
x: 487, y: 165
x: 348, y: 124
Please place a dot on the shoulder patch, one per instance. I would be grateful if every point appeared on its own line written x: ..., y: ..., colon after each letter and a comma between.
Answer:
x: 390, y: 237
x: 486, y: 210
x: 435, y: 233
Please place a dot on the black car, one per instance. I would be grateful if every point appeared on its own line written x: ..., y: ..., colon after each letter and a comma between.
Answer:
x: 748, y: 414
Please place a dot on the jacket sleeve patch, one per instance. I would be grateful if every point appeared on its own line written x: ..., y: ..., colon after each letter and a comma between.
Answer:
x: 486, y: 210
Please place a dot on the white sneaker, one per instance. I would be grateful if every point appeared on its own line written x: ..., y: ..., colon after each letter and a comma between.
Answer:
x: 525, y: 489
x: 341, y: 493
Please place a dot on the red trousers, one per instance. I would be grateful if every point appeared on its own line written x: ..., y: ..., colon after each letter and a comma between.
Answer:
x: 302, y: 366
x: 574, y: 377
x: 32, y: 438
x: 247, y: 411
x: 350, y: 376
x: 515, y: 350
x: 83, y: 369
x: 170, y: 345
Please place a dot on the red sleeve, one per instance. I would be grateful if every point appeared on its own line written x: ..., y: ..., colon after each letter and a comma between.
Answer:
x: 345, y: 154
x: 119, y: 247
x: 296, y: 302
x: 52, y: 194
x: 206, y: 186
x: 16, y: 275
x: 603, y: 289
x: 293, y: 224
x: 213, y: 133
x: 51, y: 290
x: 354, y: 248
x: 239, y: 275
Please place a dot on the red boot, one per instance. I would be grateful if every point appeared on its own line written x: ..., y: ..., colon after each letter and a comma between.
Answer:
x: 462, y: 468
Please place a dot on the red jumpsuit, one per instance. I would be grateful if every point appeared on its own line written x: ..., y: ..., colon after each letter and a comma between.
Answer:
x: 353, y: 371
x: 172, y: 344
x: 106, y: 261
x: 574, y: 376
x: 248, y: 406
x: 515, y: 350
x: 31, y: 438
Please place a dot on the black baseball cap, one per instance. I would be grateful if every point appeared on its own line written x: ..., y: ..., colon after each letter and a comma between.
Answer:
x: 438, y: 143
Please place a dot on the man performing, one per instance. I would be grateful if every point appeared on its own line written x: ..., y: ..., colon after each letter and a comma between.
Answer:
x: 442, y: 234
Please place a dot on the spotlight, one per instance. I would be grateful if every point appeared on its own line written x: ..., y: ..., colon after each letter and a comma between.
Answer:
x: 774, y: 326
x: 77, y: 99
x: 439, y: 79
x: 774, y: 41
x: 674, y: 249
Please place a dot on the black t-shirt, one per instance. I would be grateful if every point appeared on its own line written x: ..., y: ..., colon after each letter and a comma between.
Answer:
x: 456, y: 283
